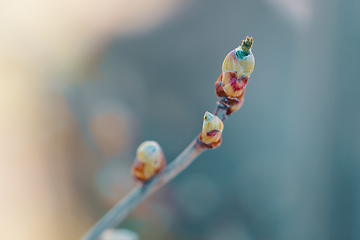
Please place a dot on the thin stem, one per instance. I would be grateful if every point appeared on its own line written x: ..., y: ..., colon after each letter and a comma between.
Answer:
x: 220, y: 110
x: 122, y: 209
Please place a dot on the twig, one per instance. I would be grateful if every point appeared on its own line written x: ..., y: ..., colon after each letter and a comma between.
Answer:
x: 230, y: 88
x: 141, y: 191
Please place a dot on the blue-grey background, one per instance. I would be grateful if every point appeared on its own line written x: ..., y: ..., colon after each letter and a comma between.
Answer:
x: 288, y: 167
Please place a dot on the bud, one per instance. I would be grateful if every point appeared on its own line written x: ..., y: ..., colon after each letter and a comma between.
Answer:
x: 149, y: 161
x: 232, y: 85
x: 119, y: 234
x: 212, y: 129
x: 240, y: 61
x: 236, y: 105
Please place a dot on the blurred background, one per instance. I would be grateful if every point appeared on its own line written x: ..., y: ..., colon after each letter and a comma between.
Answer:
x: 83, y: 83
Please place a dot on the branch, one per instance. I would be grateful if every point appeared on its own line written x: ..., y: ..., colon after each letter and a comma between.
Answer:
x: 141, y: 191
x: 231, y: 97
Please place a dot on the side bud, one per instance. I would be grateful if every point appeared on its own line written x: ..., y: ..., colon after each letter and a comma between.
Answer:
x: 241, y: 61
x: 211, y: 131
x: 236, y: 105
x: 149, y: 161
x: 232, y: 85
x: 119, y: 234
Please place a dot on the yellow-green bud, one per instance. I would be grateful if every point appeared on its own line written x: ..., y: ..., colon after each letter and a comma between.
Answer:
x: 212, y: 128
x: 240, y: 60
x: 149, y: 161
